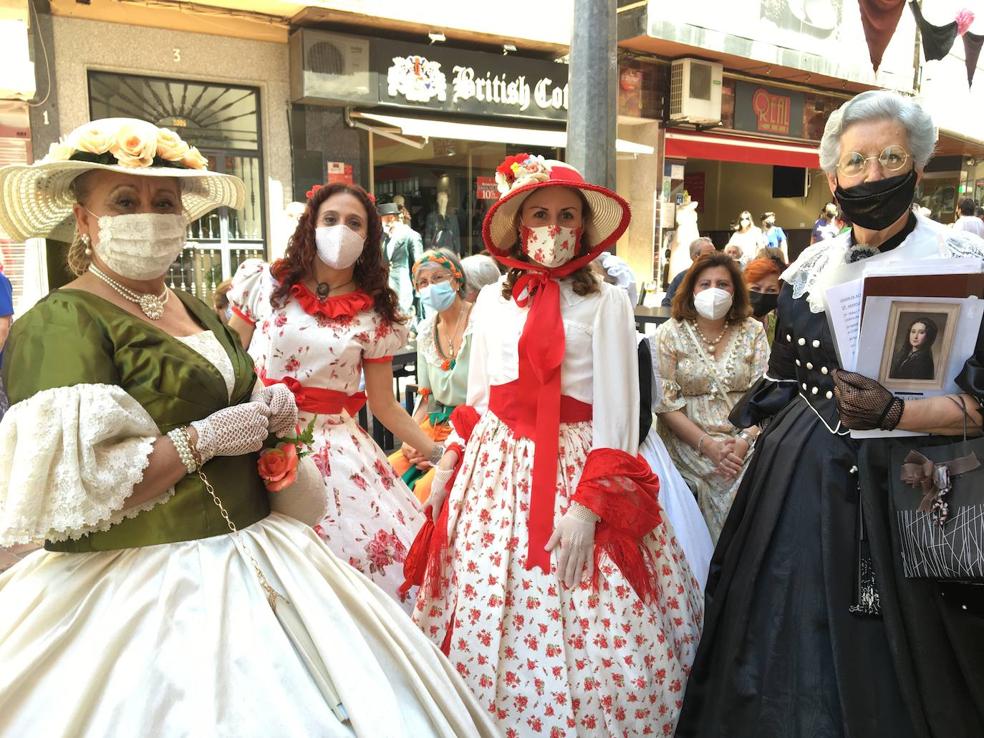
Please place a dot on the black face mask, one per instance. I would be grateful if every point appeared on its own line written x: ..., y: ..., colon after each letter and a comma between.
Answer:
x: 876, y: 205
x: 763, y: 303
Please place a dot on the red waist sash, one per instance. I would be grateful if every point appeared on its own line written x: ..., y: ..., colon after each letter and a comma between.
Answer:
x: 517, y: 409
x: 516, y: 405
x: 319, y: 400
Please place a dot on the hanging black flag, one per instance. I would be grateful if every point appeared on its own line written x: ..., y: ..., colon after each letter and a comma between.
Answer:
x: 936, y: 40
x: 972, y: 52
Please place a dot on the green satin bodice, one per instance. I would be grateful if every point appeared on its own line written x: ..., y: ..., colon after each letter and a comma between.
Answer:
x: 73, y: 337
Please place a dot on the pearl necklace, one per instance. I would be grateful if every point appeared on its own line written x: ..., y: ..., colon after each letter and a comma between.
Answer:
x: 711, y: 345
x: 150, y: 305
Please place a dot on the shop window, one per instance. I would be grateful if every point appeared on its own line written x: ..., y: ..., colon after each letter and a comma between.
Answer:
x: 465, y: 170
x: 223, y: 122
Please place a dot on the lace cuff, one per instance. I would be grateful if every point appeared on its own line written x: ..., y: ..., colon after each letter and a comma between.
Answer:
x: 69, y: 459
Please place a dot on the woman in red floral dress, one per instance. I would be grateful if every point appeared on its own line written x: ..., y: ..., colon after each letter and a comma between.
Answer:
x: 550, y: 578
x: 315, y: 321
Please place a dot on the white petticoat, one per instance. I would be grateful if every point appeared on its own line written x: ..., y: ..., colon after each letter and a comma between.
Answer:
x: 179, y: 640
x: 680, y: 507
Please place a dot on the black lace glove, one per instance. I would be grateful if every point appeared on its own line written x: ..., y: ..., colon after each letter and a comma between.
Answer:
x: 864, y: 404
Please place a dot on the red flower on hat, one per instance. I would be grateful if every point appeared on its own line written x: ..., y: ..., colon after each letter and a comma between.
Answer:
x: 506, y: 170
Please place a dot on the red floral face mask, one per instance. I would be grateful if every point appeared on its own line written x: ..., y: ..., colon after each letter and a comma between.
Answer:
x: 551, y: 246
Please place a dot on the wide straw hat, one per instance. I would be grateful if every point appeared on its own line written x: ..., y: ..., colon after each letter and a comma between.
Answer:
x: 36, y: 199
x: 521, y: 175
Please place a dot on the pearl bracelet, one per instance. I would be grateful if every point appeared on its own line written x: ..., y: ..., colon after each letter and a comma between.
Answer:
x: 182, y: 444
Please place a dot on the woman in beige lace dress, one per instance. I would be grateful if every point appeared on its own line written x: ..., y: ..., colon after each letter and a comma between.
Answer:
x: 708, y: 355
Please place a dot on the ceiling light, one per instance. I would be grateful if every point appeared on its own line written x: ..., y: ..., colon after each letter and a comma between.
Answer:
x: 436, y: 37
x: 506, y: 48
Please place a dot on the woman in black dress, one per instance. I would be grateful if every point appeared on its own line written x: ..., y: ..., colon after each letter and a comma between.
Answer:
x: 793, y: 646
x: 915, y: 359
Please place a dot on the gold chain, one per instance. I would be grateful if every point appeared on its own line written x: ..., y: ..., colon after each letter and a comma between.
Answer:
x: 271, y: 593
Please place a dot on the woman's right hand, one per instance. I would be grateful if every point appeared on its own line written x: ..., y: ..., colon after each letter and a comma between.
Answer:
x: 440, y: 486
x: 232, y: 431
x: 439, y: 492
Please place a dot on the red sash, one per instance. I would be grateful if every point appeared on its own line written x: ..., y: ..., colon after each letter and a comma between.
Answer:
x: 317, y: 399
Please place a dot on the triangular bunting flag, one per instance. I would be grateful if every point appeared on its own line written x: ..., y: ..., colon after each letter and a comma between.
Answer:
x: 972, y: 52
x: 936, y: 40
x: 879, y: 18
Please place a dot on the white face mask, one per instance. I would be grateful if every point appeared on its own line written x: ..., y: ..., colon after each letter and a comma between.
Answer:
x: 140, y: 245
x: 551, y: 246
x: 338, y: 246
x: 713, y: 303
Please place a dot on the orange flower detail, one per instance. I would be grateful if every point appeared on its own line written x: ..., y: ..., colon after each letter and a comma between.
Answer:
x: 278, y: 466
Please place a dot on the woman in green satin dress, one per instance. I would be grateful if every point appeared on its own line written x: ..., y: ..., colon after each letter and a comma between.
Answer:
x: 169, y: 600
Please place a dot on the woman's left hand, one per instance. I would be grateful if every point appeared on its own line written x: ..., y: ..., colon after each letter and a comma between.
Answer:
x: 730, y: 466
x: 575, y: 535
x: 864, y: 404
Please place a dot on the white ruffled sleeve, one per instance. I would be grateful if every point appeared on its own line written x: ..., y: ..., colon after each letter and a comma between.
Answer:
x: 69, y: 459
x: 615, y: 393
x: 252, y: 285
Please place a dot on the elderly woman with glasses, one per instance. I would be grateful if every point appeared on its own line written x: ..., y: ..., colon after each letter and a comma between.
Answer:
x: 812, y: 627
x: 443, y: 343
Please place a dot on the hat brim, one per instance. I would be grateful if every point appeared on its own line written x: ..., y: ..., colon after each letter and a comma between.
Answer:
x: 36, y: 200
x: 610, y: 216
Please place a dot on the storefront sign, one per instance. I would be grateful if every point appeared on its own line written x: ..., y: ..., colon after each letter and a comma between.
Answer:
x: 761, y: 109
x: 461, y: 81
x: 339, y: 172
x: 485, y: 188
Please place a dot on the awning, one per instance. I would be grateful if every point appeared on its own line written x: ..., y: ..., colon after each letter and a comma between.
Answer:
x: 433, y: 128
x: 717, y: 147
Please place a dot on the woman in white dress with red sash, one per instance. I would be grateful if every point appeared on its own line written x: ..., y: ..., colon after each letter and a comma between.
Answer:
x: 316, y: 321
x: 551, y: 581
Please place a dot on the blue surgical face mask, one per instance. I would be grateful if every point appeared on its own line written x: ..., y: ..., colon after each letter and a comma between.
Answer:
x: 439, y: 296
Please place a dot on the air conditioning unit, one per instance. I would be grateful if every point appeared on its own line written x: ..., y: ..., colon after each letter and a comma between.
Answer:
x: 695, y: 91
x: 329, y: 68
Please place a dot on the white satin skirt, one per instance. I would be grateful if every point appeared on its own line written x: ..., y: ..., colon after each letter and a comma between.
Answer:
x: 680, y: 506
x: 180, y: 640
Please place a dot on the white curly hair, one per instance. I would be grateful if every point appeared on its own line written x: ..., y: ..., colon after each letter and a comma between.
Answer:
x: 879, y: 105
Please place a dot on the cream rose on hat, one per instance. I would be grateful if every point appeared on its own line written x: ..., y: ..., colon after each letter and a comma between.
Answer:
x: 171, y: 147
x: 37, y: 199
x: 94, y: 139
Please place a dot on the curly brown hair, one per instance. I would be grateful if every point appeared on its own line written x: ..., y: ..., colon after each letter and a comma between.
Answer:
x: 584, y: 280
x: 683, y: 301
x: 371, y: 270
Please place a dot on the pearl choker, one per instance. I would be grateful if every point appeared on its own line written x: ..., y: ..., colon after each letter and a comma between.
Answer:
x: 150, y: 305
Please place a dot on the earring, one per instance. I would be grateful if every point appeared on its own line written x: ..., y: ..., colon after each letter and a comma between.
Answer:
x: 86, y: 241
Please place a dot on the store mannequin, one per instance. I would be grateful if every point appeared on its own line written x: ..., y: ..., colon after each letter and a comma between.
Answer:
x: 441, y: 229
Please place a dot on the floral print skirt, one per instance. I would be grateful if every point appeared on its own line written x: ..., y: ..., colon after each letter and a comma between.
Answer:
x: 373, y: 516
x: 544, y: 659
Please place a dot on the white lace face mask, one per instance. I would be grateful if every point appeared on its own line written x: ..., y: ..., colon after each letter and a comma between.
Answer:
x: 552, y: 246
x: 140, y: 245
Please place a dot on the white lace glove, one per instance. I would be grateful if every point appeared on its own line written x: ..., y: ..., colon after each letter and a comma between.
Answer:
x: 575, y: 535
x: 439, y: 491
x: 232, y: 431
x: 282, y: 405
